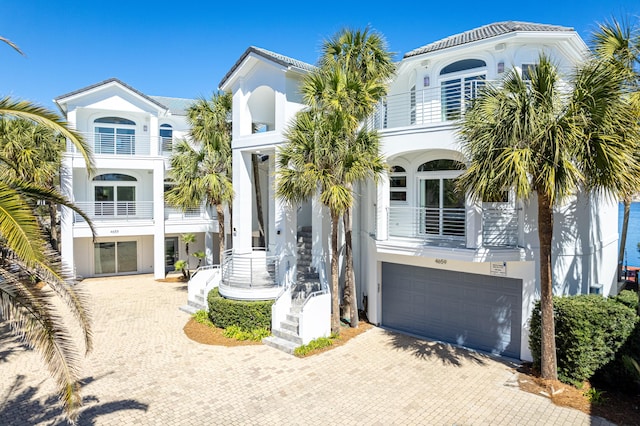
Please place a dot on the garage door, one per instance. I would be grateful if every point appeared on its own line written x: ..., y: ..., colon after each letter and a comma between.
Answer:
x: 477, y: 311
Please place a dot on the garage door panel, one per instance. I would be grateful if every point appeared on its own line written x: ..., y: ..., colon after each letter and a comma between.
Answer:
x: 477, y: 311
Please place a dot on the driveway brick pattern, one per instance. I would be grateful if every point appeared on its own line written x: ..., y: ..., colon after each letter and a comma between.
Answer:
x: 145, y: 371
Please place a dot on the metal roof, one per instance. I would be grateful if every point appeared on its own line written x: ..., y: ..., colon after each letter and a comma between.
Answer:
x: 484, y: 32
x: 272, y: 56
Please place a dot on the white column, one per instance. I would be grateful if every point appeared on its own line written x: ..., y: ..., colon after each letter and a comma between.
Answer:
x: 382, y: 208
x: 66, y: 214
x: 271, y: 244
x: 242, y: 202
x: 473, y: 223
x: 208, y: 249
x: 158, y: 217
x: 153, y: 133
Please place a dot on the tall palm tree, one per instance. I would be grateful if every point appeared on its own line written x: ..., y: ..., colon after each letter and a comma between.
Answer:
x: 619, y: 43
x: 27, y: 307
x: 201, y: 169
x: 357, y: 66
x: 540, y: 137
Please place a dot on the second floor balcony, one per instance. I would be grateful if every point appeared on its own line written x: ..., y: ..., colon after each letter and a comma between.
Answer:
x: 127, y: 144
x: 450, y: 227
x: 101, y: 211
x: 429, y: 106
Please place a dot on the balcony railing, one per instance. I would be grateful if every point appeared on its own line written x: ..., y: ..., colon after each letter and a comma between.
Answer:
x: 432, y: 105
x: 172, y: 213
x: 500, y: 226
x: 126, y: 145
x: 114, y: 210
x: 255, y: 275
x: 425, y: 222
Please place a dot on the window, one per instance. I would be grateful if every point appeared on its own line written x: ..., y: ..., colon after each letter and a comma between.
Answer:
x: 114, y: 135
x: 398, y: 184
x: 527, y: 71
x: 412, y: 105
x: 115, y: 199
x: 115, y: 257
x: 459, y: 85
x: 442, y: 207
x: 166, y: 137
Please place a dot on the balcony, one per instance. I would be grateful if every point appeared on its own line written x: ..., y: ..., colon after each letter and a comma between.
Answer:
x: 447, y: 227
x: 114, y: 210
x: 256, y: 275
x: 430, y: 106
x: 126, y: 144
x: 175, y: 214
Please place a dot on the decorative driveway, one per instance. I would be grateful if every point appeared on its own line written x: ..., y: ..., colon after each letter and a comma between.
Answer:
x: 145, y: 371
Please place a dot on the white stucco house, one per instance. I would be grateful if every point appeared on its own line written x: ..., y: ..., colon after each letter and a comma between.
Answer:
x: 428, y: 261
x: 131, y: 135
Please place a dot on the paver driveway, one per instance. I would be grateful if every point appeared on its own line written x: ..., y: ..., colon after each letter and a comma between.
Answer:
x: 145, y: 371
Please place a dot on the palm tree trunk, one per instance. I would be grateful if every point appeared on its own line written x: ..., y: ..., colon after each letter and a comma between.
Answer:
x: 350, y: 298
x: 53, y: 223
x: 548, y: 360
x: 221, y: 232
x: 623, y: 235
x: 335, y: 305
x: 258, y: 192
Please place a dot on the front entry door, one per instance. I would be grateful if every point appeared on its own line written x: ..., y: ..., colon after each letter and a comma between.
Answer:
x: 170, y: 253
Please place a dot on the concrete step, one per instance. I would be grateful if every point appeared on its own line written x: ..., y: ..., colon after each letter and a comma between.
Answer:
x: 287, y: 335
x: 280, y: 344
x: 188, y: 309
x: 289, y: 326
x: 293, y: 318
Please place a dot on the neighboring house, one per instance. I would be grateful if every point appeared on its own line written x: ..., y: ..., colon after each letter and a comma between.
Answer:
x: 428, y: 260
x: 131, y: 135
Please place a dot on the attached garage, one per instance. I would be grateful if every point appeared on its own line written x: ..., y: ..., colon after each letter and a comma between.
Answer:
x: 476, y: 311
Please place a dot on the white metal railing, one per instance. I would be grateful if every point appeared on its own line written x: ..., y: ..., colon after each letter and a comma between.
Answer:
x: 432, y: 105
x: 256, y: 269
x: 172, y: 213
x: 125, y: 144
x: 500, y: 227
x: 421, y: 222
x: 324, y: 283
x: 114, y: 210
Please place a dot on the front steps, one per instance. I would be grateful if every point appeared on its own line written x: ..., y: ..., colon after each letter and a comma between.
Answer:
x: 198, y: 304
x: 287, y: 338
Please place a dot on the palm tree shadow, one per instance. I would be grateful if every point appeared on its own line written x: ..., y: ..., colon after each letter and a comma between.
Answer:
x: 26, y: 408
x: 431, y: 349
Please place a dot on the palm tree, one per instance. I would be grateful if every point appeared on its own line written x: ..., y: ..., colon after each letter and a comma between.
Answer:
x: 536, y: 137
x: 308, y: 165
x: 619, y: 43
x: 201, y: 169
x: 357, y: 66
x: 33, y: 153
x: 27, y: 307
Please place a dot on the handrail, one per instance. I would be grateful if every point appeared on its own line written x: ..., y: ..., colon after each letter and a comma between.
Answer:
x: 324, y: 286
x: 246, y: 270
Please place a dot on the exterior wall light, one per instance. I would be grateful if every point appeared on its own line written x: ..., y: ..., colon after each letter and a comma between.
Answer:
x: 425, y: 81
x: 500, y: 67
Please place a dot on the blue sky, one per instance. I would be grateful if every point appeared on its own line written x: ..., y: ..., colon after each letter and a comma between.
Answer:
x: 184, y: 48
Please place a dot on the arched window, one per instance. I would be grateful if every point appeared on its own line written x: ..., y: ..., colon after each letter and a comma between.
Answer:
x: 114, y: 194
x: 398, y: 184
x: 114, y: 135
x: 442, y: 206
x: 460, y: 82
x: 166, y: 138
x: 442, y: 164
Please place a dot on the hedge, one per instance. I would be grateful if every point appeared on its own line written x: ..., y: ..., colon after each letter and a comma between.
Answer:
x: 247, y: 315
x: 590, y: 330
x: 619, y: 372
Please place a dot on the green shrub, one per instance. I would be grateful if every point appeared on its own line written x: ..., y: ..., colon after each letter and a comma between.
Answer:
x: 235, y: 332
x: 589, y: 331
x: 319, y: 343
x: 202, y: 317
x: 621, y: 372
x: 248, y: 315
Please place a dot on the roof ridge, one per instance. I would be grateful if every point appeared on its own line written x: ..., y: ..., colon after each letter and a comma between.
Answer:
x: 482, y: 32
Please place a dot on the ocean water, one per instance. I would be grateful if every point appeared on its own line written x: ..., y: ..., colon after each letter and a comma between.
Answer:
x: 632, y: 253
